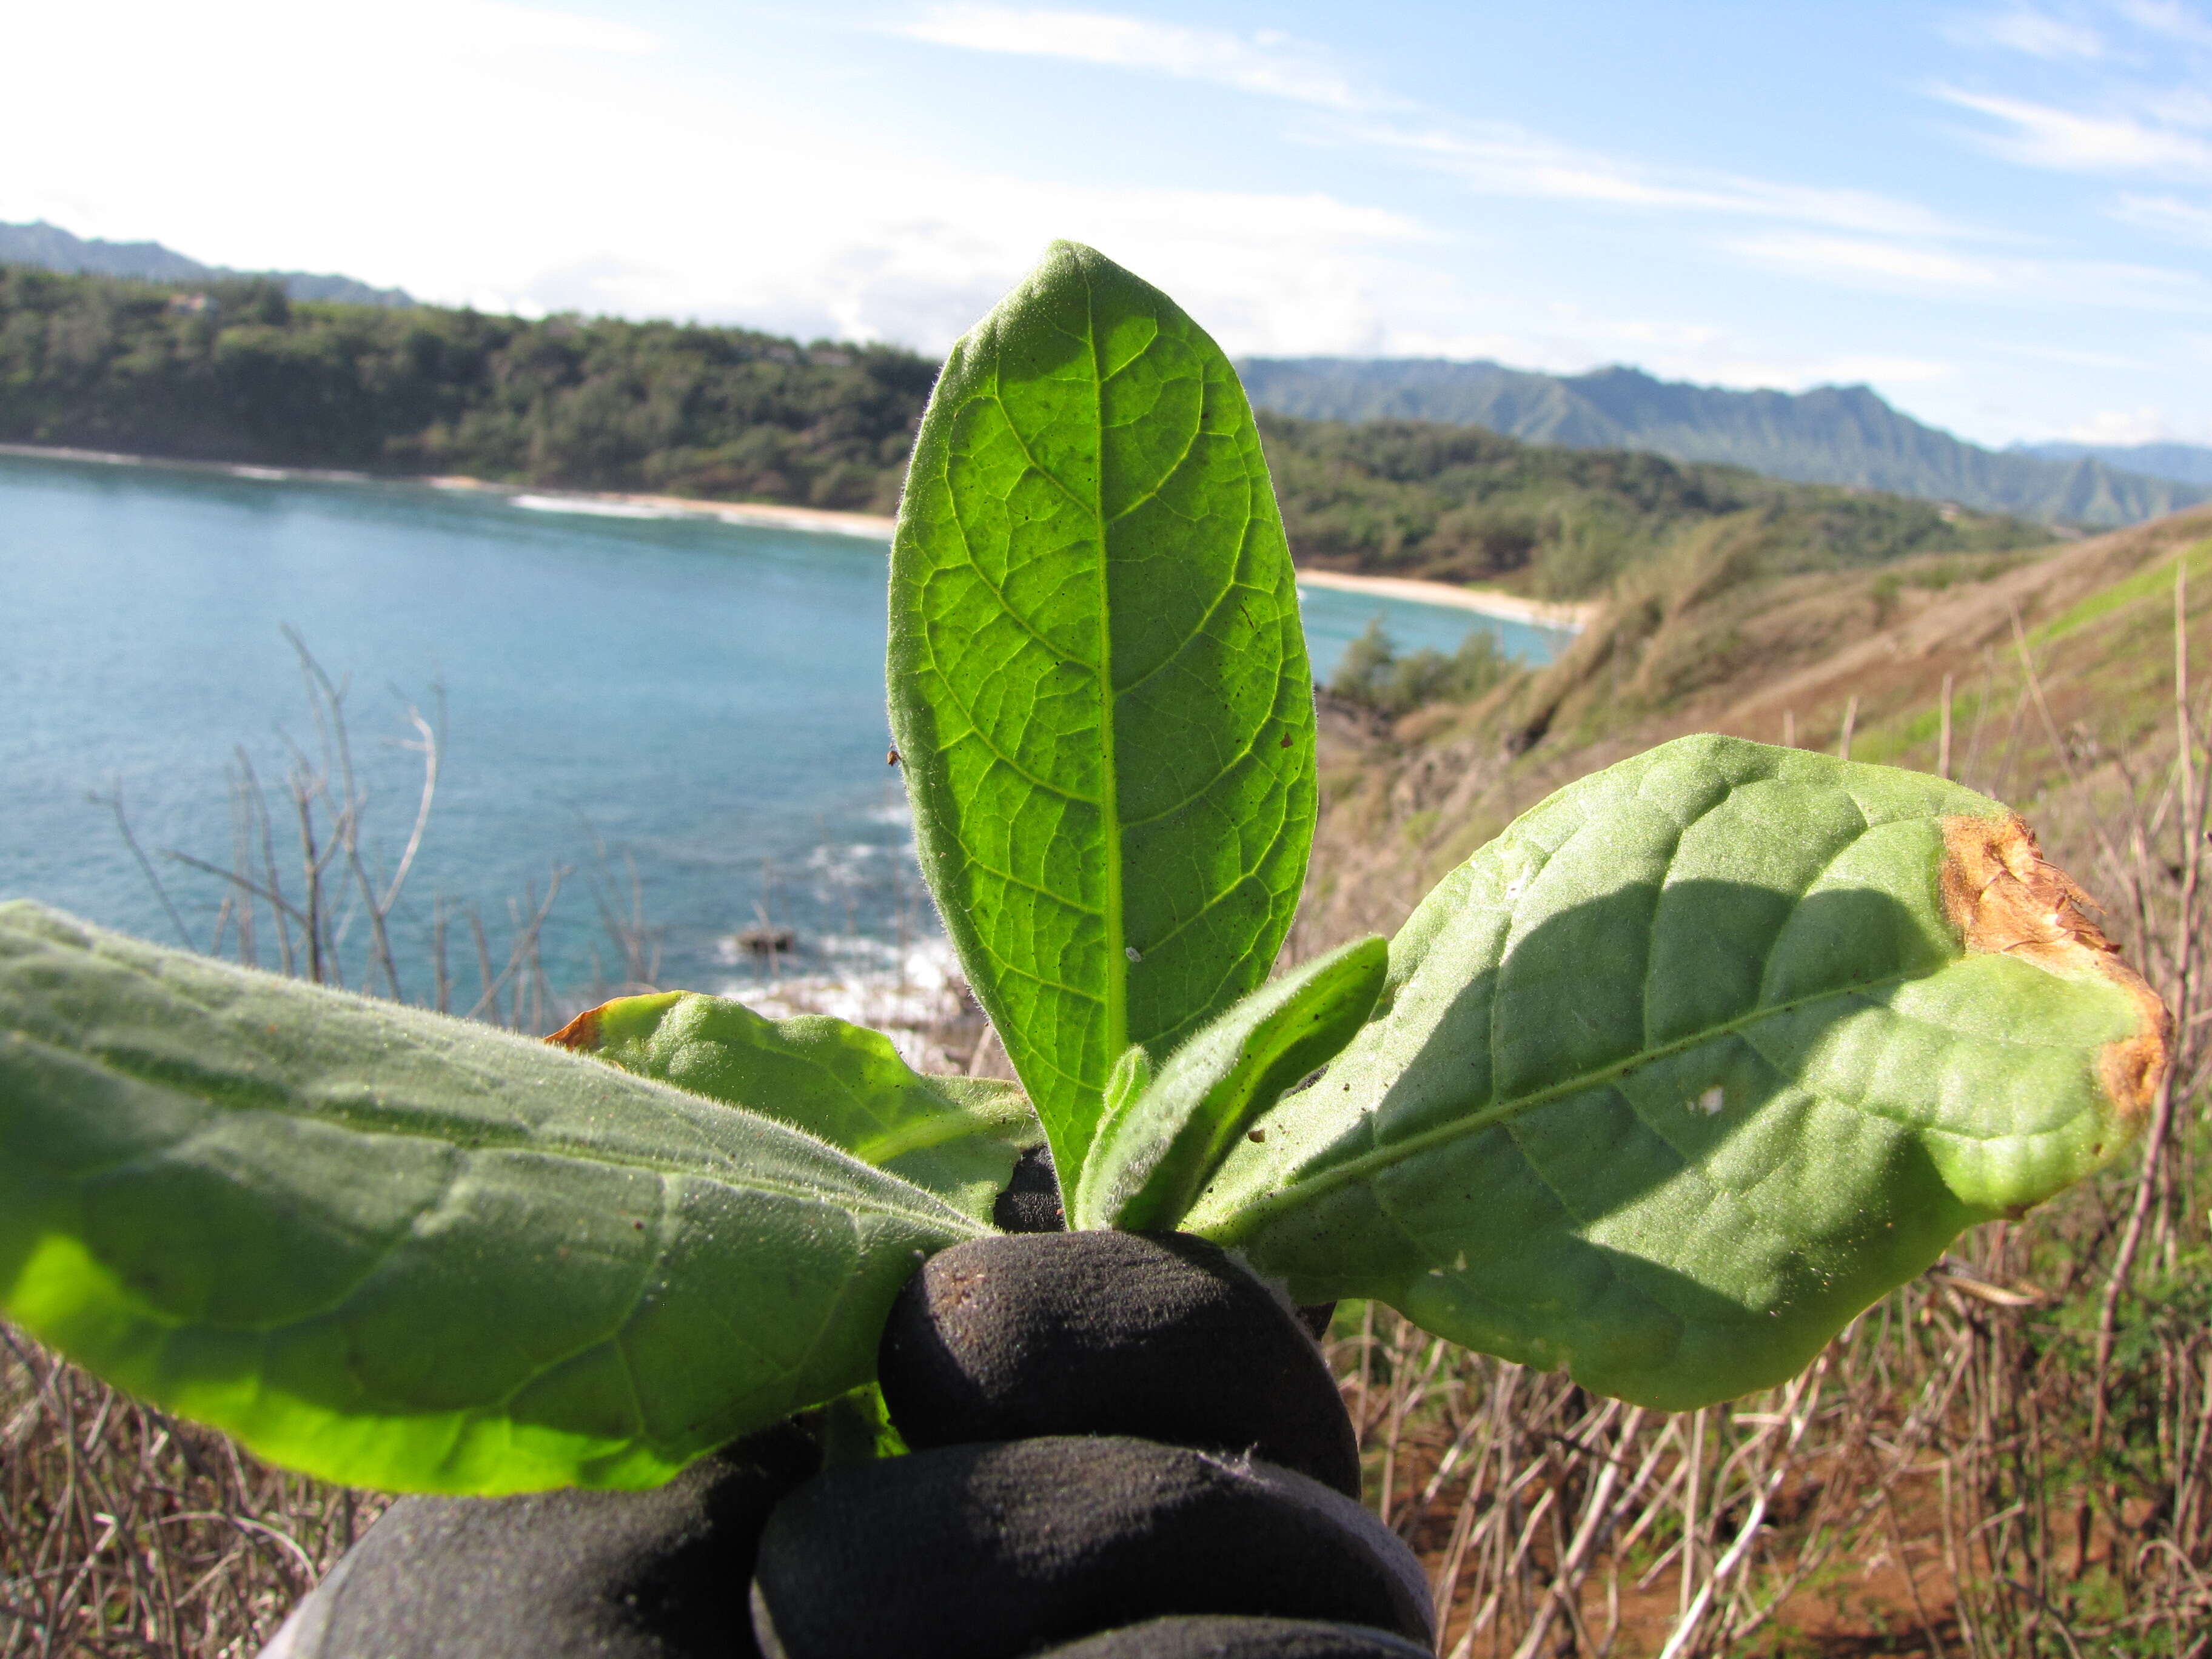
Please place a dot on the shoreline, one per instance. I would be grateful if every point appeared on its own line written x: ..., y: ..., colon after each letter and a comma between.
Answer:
x: 589, y: 503
x: 621, y: 504
x: 1562, y: 617
x: 1567, y: 619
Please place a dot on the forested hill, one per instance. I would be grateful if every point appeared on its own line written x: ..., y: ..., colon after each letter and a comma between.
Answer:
x: 238, y: 372
x: 1832, y: 434
x: 41, y: 244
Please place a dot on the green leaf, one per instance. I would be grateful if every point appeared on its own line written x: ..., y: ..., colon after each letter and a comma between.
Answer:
x: 954, y: 1136
x: 1153, y: 1155
x: 402, y: 1251
x: 1098, y: 680
x: 1698, y: 1059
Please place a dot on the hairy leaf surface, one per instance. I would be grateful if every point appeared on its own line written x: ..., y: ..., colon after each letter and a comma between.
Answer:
x: 1156, y: 1147
x: 1698, y: 1059
x: 407, y: 1252
x: 956, y: 1137
x: 1098, y: 680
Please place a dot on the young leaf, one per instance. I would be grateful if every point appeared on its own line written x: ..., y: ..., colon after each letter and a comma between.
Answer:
x: 1098, y: 680
x: 402, y: 1251
x: 954, y: 1136
x: 1152, y: 1155
x: 1698, y: 1059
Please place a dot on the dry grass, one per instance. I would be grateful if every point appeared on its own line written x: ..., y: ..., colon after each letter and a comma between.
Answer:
x: 1926, y: 1487
x: 125, y: 1532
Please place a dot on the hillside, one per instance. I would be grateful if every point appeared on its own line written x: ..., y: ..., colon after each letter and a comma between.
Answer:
x: 53, y: 248
x: 1702, y: 640
x: 1933, y: 1428
x: 1832, y: 434
x: 238, y: 372
x: 1460, y: 504
x: 2190, y: 464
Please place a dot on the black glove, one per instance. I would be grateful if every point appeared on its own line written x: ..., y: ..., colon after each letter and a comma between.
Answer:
x: 1108, y: 1428
x: 559, y: 1575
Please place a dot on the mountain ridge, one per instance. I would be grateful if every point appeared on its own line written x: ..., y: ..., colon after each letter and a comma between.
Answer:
x: 53, y: 248
x: 1847, y: 436
x: 2188, y: 463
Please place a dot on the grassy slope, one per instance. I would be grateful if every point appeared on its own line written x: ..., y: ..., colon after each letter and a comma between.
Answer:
x: 1460, y: 504
x: 1943, y: 1500
x: 1705, y: 640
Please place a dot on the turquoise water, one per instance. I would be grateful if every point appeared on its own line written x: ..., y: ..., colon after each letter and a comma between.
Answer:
x: 702, y: 700
x: 1334, y: 618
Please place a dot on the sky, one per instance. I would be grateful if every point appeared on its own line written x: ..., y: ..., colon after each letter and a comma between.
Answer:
x: 1997, y: 214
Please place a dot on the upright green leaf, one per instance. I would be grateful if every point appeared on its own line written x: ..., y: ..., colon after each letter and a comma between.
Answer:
x: 1698, y: 1059
x: 956, y: 1137
x: 1154, y: 1154
x: 1098, y: 680
x: 402, y: 1251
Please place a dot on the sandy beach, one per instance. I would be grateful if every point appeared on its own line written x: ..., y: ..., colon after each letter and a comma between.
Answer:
x: 1537, y: 613
x: 1568, y: 619
x: 612, y: 504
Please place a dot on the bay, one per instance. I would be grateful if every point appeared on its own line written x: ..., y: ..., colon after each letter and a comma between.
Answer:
x: 698, y: 704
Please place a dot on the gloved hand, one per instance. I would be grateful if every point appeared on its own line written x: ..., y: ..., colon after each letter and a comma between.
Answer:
x: 558, y: 1575
x: 1120, y: 1444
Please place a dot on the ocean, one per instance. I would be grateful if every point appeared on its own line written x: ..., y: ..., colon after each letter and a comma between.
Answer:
x: 670, y: 713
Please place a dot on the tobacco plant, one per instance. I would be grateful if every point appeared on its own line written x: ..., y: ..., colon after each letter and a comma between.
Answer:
x: 1695, y: 1061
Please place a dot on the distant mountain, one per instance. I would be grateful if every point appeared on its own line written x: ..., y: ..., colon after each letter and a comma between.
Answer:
x: 51, y: 247
x: 1832, y: 434
x: 2185, y: 463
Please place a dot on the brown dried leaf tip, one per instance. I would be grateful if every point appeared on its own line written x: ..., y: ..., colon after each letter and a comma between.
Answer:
x: 2004, y: 898
x: 581, y: 1033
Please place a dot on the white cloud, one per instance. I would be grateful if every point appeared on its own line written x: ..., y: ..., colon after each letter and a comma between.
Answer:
x: 2169, y: 18
x: 1266, y: 62
x: 1855, y: 257
x: 2044, y: 136
x: 620, y: 186
x: 2149, y: 424
x: 1857, y: 261
x: 1883, y: 370
x: 2168, y: 215
x: 494, y: 24
x: 1500, y: 160
x: 2034, y: 33
x: 2115, y: 362
x: 2119, y: 426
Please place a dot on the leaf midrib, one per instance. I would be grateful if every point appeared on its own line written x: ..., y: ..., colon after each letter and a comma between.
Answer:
x: 1110, y: 790
x: 464, y: 1134
x: 1250, y: 1219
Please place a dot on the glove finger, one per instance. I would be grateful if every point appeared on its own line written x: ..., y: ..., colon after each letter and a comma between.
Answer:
x: 1029, y: 1202
x: 984, y: 1552
x: 558, y: 1575
x: 1212, y: 1637
x: 1159, y: 1336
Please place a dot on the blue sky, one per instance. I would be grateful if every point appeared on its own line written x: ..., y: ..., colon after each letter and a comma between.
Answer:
x: 2000, y: 215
